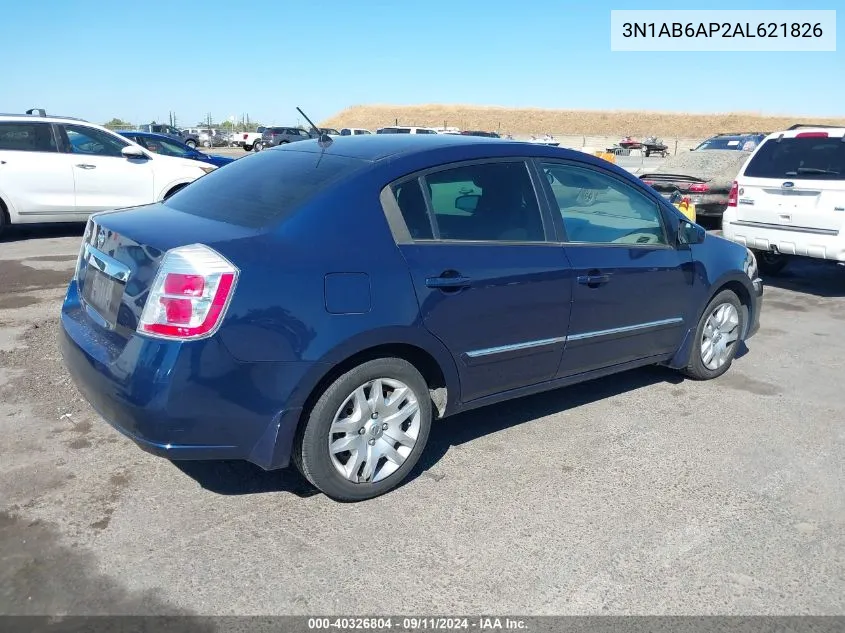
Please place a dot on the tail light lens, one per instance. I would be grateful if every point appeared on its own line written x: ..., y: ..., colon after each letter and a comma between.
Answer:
x: 733, y: 196
x: 699, y: 187
x: 190, y: 294
x: 811, y: 135
x: 648, y: 182
x: 89, y: 228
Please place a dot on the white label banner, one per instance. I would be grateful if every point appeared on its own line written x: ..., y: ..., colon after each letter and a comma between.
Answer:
x: 723, y: 30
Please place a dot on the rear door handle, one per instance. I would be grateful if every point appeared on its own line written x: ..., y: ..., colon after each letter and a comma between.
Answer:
x: 448, y: 280
x: 84, y: 166
x: 594, y: 279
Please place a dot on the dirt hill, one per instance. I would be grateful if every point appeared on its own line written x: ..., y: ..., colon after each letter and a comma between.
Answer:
x: 566, y: 122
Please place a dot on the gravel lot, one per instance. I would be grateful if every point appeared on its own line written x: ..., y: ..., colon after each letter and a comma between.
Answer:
x: 636, y: 494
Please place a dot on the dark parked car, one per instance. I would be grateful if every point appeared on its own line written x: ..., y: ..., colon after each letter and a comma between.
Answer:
x: 480, y: 133
x: 168, y: 146
x: 191, y: 140
x: 704, y: 176
x: 322, y: 305
x: 741, y: 141
x: 273, y: 136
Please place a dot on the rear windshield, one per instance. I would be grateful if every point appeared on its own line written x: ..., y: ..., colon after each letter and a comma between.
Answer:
x: 799, y: 158
x: 724, y: 143
x: 257, y: 190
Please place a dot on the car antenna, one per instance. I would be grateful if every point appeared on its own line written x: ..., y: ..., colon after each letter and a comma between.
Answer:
x: 323, y: 139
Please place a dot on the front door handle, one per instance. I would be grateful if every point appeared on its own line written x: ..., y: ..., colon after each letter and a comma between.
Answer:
x: 448, y: 280
x: 594, y: 279
x: 85, y: 166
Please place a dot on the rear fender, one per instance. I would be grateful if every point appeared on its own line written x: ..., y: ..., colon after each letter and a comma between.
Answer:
x: 417, y: 337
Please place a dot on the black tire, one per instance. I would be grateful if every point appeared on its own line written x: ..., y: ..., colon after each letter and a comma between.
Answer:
x: 311, y: 449
x: 247, y: 148
x: 191, y: 143
x: 770, y: 263
x: 696, y: 369
x: 258, y: 146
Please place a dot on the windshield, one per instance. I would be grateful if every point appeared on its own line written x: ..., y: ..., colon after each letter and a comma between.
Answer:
x: 168, y: 148
x: 260, y: 189
x: 724, y: 142
x: 810, y: 158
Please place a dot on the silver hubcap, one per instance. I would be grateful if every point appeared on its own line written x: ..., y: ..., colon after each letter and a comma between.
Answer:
x: 721, y: 332
x: 374, y: 430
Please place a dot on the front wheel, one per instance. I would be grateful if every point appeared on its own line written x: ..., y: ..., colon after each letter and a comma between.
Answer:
x: 771, y: 263
x: 367, y: 430
x: 717, y: 337
x: 258, y: 146
x: 191, y: 143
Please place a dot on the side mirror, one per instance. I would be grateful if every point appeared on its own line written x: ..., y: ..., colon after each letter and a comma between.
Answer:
x: 467, y: 203
x: 133, y: 152
x: 689, y: 233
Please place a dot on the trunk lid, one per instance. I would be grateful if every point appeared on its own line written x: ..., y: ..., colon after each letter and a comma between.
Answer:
x: 797, y: 183
x: 716, y: 166
x: 121, y: 253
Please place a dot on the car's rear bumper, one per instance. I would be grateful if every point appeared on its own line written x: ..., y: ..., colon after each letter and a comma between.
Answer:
x: 185, y: 400
x: 803, y: 241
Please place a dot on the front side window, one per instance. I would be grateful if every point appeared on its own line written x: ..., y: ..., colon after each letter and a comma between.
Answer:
x: 599, y: 209
x: 87, y: 140
x: 486, y: 202
x: 27, y: 137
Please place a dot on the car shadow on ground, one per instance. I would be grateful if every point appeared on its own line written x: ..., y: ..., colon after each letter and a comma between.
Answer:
x: 809, y: 276
x: 21, y: 232
x: 243, y: 478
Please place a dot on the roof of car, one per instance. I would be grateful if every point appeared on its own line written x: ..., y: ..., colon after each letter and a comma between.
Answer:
x: 147, y: 134
x: 373, y: 147
x: 43, y: 119
x: 829, y: 130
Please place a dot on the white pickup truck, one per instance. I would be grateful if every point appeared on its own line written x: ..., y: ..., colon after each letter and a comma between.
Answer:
x: 247, y: 139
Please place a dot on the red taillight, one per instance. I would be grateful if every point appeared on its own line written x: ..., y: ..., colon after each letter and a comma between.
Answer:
x: 733, y: 196
x: 190, y: 294
x: 182, y: 284
x: 245, y: 135
x: 649, y: 182
x: 699, y: 187
x: 811, y: 135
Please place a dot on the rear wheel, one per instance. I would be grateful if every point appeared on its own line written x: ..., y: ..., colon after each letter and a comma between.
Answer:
x: 716, y: 337
x: 191, y: 143
x: 367, y: 430
x: 4, y: 220
x: 247, y: 148
x: 258, y: 146
x: 771, y: 263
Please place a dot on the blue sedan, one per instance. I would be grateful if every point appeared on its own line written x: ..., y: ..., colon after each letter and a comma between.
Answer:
x: 321, y: 303
x: 168, y: 146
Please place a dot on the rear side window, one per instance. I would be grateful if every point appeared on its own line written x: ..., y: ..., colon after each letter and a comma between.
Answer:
x: 808, y: 158
x: 411, y: 201
x: 486, y: 202
x: 27, y: 137
x: 263, y: 188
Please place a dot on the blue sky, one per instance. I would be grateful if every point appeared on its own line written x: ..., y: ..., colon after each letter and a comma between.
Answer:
x: 138, y: 60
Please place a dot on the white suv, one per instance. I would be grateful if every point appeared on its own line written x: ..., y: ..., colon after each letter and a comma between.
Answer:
x: 58, y: 169
x: 789, y: 197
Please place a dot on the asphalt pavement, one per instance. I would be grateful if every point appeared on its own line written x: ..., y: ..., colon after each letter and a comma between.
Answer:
x: 641, y: 493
